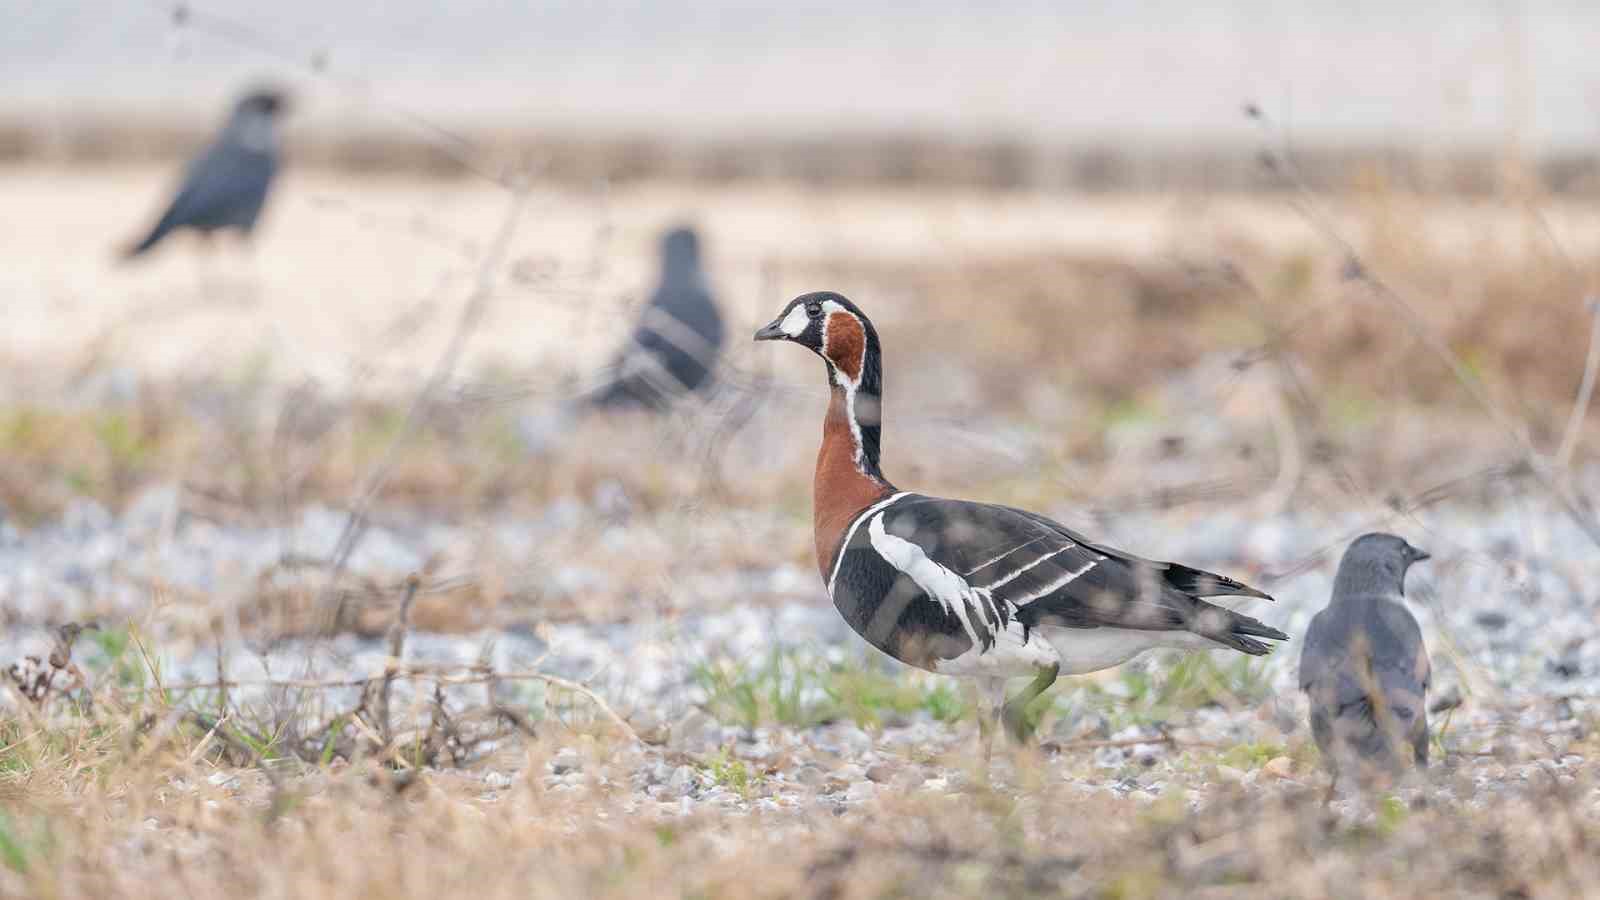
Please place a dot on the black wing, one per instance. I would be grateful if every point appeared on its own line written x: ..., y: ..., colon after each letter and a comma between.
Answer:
x: 1367, y: 678
x: 1189, y: 580
x: 1043, y: 574
x: 672, y: 351
x: 225, y: 187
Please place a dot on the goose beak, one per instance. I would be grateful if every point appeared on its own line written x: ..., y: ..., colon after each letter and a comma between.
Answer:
x: 1418, y: 554
x: 772, y: 332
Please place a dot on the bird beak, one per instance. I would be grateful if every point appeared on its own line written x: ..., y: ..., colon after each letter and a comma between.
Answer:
x: 1418, y: 554
x: 772, y: 332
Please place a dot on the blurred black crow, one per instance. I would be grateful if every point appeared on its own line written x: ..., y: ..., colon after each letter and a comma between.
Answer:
x: 1364, y: 666
x: 674, y: 347
x: 227, y: 184
x: 671, y: 352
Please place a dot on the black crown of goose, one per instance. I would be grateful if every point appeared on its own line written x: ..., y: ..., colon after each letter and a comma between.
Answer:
x: 815, y: 308
x: 994, y: 592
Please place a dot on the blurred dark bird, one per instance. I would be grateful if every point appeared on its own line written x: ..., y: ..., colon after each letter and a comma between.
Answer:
x: 1364, y: 666
x: 227, y: 184
x: 674, y: 347
x: 979, y: 590
x: 672, y: 351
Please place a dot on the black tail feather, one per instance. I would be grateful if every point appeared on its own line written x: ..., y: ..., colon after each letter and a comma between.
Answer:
x: 1244, y: 645
x: 1234, y: 630
x: 150, y: 240
x: 1247, y: 625
x: 1201, y: 583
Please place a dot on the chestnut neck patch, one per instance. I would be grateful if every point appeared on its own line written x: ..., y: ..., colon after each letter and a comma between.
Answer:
x: 846, y: 345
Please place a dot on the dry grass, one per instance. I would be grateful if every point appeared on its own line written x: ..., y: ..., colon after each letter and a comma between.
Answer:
x: 116, y: 808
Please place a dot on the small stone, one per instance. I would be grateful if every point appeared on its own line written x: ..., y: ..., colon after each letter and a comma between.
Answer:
x: 810, y: 776
x: 1109, y: 758
x: 757, y: 751
x: 1492, y: 620
x: 1229, y: 773
x: 566, y: 760
x: 907, y: 778
x: 1565, y: 668
x: 1279, y: 767
x: 496, y: 780
x: 860, y: 791
x: 647, y: 722
x: 695, y: 728
x: 880, y: 772
x: 152, y: 509
x: 854, y: 739
x: 682, y: 781
x: 849, y: 773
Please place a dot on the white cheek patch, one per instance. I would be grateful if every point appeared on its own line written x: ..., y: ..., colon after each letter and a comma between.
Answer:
x: 794, y: 324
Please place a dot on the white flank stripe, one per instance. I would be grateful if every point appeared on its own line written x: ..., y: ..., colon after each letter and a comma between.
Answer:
x: 949, y: 589
x: 851, y: 532
x: 1058, y: 584
x: 1018, y: 573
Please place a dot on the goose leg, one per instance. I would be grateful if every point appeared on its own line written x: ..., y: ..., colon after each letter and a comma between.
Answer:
x: 988, y: 695
x: 1012, y: 714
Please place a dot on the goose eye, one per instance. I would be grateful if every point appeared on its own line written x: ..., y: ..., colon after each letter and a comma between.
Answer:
x: 813, y: 309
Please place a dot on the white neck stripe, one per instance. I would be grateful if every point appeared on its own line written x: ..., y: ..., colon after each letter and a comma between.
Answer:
x: 848, y: 384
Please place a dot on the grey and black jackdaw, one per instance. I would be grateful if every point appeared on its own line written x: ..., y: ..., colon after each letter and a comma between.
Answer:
x: 227, y: 184
x: 674, y: 347
x: 1364, y: 666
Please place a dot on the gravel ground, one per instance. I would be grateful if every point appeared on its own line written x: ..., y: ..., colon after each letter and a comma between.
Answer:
x: 1504, y: 604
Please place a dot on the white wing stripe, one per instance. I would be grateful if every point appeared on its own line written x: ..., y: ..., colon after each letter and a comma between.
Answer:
x: 1019, y: 572
x: 1059, y: 583
x: 994, y: 559
x: 850, y: 533
x: 950, y: 590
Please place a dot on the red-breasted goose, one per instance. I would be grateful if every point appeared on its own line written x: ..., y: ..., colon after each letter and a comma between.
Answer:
x: 976, y: 589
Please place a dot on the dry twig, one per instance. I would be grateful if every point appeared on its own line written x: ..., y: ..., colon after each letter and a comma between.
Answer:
x: 471, y: 312
x: 397, y: 649
x: 444, y: 675
x: 1580, y: 406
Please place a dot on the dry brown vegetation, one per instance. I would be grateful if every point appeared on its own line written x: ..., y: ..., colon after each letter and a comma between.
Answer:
x: 133, y: 801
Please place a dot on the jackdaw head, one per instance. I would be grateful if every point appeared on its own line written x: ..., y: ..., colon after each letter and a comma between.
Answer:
x: 1376, y: 562
x: 269, y: 101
